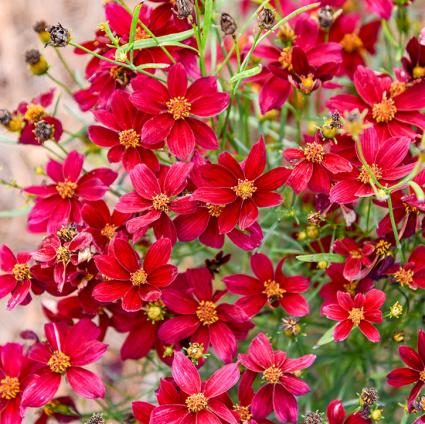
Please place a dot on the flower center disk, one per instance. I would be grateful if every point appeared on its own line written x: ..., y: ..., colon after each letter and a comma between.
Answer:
x: 384, y: 111
x: 206, y: 312
x: 404, y: 276
x: 356, y: 315
x: 66, y: 189
x: 160, y: 202
x: 364, y: 175
x: 9, y: 387
x: 139, y: 277
x: 196, y: 403
x: 21, y: 272
x: 351, y: 43
x: 273, y: 289
x: 214, y: 210
x: 272, y: 374
x: 314, y: 152
x: 179, y: 107
x: 245, y: 189
x: 59, y: 362
x: 108, y: 231
x: 129, y: 139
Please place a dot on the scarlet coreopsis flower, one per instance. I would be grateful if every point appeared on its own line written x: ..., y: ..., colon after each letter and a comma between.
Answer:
x: 60, y: 203
x: 129, y: 278
x: 414, y: 65
x: 67, y: 349
x: 336, y: 414
x: 277, y: 372
x: 314, y: 165
x: 393, y: 107
x: 385, y: 160
x: 270, y: 286
x: 356, y: 40
x: 358, y: 262
x: 61, y: 409
x: 17, y: 279
x: 360, y: 311
x: 122, y: 133
x: 201, y: 318
x: 202, y: 402
x: 102, y: 224
x: 415, y: 371
x: 412, y: 273
x: 176, y: 108
x: 15, y: 371
x: 155, y: 197
x: 240, y: 188
x: 63, y: 252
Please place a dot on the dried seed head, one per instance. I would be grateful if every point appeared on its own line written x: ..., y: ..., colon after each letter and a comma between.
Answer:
x: 96, y: 419
x: 326, y: 16
x: 228, y: 24
x: 43, y: 131
x: 291, y: 327
x: 313, y: 418
x: 5, y: 117
x: 32, y: 57
x: 266, y: 19
x: 368, y: 396
x: 184, y: 8
x: 59, y: 36
x: 39, y: 27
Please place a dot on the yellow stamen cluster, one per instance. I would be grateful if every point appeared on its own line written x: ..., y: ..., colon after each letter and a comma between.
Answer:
x: 351, y: 43
x: 179, y: 107
x: 34, y: 113
x: 141, y: 34
x: 285, y: 58
x: 62, y: 254
x: 404, y: 276
x: 245, y: 189
x: 422, y: 375
x: 139, y: 277
x: 129, y: 138
x: 66, y: 189
x: 364, y: 175
x: 206, y: 312
x: 396, y: 310
x: 307, y: 83
x: 120, y: 75
x: 272, y: 374
x: 314, y: 152
x: 160, y: 202
x: 108, y: 231
x: 351, y: 287
x: 9, y: 387
x: 196, y: 402
x: 214, y: 210
x: 272, y: 289
x: 418, y: 72
x: 356, y: 315
x: 195, y: 351
x: 59, y: 362
x: 397, y: 88
x: 384, y: 111
x: 383, y: 248
x: 21, y: 272
x: 244, y: 413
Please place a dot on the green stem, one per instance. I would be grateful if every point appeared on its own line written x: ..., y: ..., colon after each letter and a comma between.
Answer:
x: 60, y: 84
x: 394, y: 225
x: 66, y: 67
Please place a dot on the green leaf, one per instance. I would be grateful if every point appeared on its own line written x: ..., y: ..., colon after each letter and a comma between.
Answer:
x: 246, y: 74
x: 208, y: 12
x: 318, y: 257
x: 326, y: 338
x: 418, y: 190
x: 152, y: 66
x: 133, y: 29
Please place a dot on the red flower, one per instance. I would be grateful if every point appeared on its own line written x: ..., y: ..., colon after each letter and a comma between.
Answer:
x: 314, y: 165
x: 415, y: 371
x: 281, y: 385
x: 240, y: 188
x: 414, y: 66
x: 384, y: 159
x: 359, y: 311
x: 269, y: 285
x: 336, y: 415
x: 122, y: 135
x: 17, y: 279
x: 66, y: 350
x: 201, y: 318
x: 383, y: 8
x: 131, y: 279
x: 60, y: 203
x: 60, y: 409
x: 392, y: 107
x: 15, y: 371
x: 357, y: 264
x: 174, y: 106
x: 201, y: 400
x: 102, y: 224
x: 154, y: 198
x: 355, y: 40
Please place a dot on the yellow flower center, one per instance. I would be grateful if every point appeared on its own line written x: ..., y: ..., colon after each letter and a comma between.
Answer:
x: 397, y: 88
x: 356, y: 254
x: 384, y: 111
x: 179, y: 107
x: 350, y: 287
x: 9, y: 387
x: 273, y: 289
x: 404, y: 276
x: 155, y: 311
x: 129, y: 139
x: 382, y: 248
x: 34, y: 113
x: 214, y: 210
x: 62, y: 254
x: 21, y: 272
x: 272, y: 374
x: 196, y: 403
x: 307, y: 83
x: 410, y: 209
x: 419, y: 71
x: 356, y: 315
x: 422, y: 375
x: 286, y: 33
x: 160, y: 202
x: 66, y: 189
x: 206, y: 312
x: 108, y: 231
x: 141, y: 34
x: 59, y: 362
x: 314, y: 152
x: 120, y: 75
x: 139, y: 277
x: 364, y: 175
x: 285, y: 58
x: 244, y: 413
x: 195, y: 351
x: 351, y: 43
x: 245, y: 189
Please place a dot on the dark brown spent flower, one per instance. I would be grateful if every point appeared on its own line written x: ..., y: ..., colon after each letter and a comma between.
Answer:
x: 215, y: 264
x: 96, y: 419
x: 32, y: 57
x: 184, y: 8
x: 59, y: 36
x: 43, y: 131
x: 67, y: 233
x: 313, y: 418
x: 228, y: 24
x: 5, y: 116
x: 369, y: 395
x: 315, y: 218
x: 265, y: 19
x: 40, y: 26
x: 130, y: 419
x: 336, y: 120
x: 326, y: 16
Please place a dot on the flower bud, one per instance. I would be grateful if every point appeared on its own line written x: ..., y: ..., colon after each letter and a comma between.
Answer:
x: 96, y: 419
x: 43, y: 131
x: 326, y: 17
x: 184, y: 8
x: 291, y: 327
x: 40, y: 28
x: 36, y: 62
x: 322, y: 264
x: 312, y: 231
x: 376, y: 415
x: 368, y: 396
x: 265, y: 19
x: 398, y: 336
x: 59, y: 36
x: 227, y: 24
x: 396, y: 310
x: 313, y: 418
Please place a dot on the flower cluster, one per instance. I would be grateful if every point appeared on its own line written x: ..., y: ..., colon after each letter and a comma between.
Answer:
x: 232, y: 202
